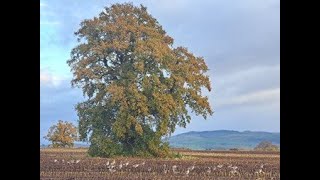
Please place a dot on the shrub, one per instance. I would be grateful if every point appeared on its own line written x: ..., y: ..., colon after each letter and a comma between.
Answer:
x: 266, y: 146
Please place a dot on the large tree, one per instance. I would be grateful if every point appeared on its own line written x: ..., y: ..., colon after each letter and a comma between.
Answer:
x: 139, y: 87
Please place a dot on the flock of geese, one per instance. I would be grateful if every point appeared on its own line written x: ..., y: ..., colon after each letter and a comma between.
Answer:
x: 111, y: 166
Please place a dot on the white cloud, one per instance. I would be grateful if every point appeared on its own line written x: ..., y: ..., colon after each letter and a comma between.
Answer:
x: 250, y: 73
x: 46, y: 13
x: 173, y: 5
x: 248, y: 79
x: 43, y: 4
x: 269, y: 96
x: 239, y: 40
x: 50, y: 23
x: 47, y: 79
x: 253, y: 86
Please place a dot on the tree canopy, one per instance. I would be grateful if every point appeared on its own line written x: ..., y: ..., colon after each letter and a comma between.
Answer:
x: 63, y: 134
x: 138, y: 86
x: 266, y: 146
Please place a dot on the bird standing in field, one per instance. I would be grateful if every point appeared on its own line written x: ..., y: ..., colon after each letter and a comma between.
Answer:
x: 174, y: 169
x: 209, y: 170
x: 191, y: 168
x: 188, y: 171
x: 113, y: 162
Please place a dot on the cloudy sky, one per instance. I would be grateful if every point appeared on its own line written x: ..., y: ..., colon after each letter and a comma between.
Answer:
x: 240, y: 41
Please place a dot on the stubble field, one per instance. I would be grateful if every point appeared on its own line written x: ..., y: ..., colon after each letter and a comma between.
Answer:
x: 197, y: 165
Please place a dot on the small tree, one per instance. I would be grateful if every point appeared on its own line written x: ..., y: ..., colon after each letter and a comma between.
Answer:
x: 266, y: 146
x: 62, y: 135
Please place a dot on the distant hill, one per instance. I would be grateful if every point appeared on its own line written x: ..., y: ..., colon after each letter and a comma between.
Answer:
x: 222, y: 139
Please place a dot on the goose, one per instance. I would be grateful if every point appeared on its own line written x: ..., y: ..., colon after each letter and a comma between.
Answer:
x: 209, y: 170
x: 191, y: 168
x: 259, y: 172
x: 113, y: 162
x: 164, y: 169
x: 234, y: 167
x: 188, y: 171
x: 174, y: 168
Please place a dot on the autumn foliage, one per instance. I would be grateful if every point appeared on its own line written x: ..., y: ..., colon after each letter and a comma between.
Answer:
x: 139, y: 86
x: 63, y: 134
x: 266, y: 146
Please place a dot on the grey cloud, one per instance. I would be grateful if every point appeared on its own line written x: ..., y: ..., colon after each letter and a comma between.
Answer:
x: 229, y: 34
x: 245, y: 80
x: 240, y: 41
x: 221, y: 31
x: 255, y: 98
